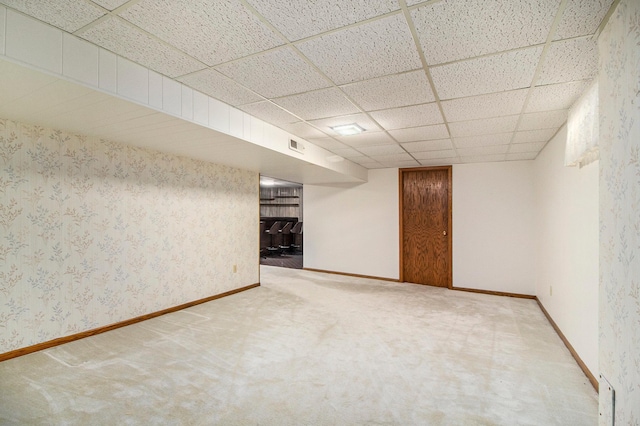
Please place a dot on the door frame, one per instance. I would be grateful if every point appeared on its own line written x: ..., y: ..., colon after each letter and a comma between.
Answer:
x: 450, y: 219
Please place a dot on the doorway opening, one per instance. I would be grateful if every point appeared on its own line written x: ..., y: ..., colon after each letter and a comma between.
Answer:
x: 281, y: 223
x: 425, y: 226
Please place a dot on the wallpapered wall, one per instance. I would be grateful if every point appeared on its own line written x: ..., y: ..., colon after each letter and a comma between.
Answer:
x: 619, y: 80
x: 95, y: 232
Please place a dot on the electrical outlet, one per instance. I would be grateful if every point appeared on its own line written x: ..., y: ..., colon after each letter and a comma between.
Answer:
x: 235, y: 268
x: 550, y: 290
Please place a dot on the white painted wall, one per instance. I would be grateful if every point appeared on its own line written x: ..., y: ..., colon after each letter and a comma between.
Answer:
x: 354, y: 229
x: 567, y: 247
x: 493, y: 227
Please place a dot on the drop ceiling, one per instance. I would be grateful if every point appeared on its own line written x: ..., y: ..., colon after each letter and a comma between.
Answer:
x: 431, y: 82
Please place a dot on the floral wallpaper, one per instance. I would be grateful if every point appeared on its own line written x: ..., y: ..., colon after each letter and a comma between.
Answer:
x: 619, y: 80
x: 94, y: 232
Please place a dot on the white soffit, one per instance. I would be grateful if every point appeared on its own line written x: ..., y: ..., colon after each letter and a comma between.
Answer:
x: 49, y: 101
x: 126, y: 40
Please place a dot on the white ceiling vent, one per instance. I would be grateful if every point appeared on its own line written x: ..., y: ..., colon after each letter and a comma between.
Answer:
x: 296, y: 146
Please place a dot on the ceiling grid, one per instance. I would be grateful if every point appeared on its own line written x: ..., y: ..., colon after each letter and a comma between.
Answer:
x: 431, y: 82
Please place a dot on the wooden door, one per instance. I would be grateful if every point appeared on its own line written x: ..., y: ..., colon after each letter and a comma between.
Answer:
x: 425, y: 226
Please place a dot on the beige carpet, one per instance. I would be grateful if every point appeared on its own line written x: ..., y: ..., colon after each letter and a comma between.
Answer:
x: 312, y: 349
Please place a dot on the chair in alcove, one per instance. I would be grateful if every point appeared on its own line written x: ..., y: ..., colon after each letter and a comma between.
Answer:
x: 296, y: 237
x: 275, y: 237
x: 265, y: 238
x: 285, y: 232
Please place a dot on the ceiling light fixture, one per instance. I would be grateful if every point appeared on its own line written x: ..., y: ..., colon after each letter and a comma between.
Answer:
x: 267, y: 182
x: 347, y: 129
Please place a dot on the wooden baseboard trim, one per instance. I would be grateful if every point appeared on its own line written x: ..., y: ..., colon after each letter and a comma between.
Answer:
x: 66, y: 339
x: 495, y: 293
x: 583, y: 366
x: 346, y: 274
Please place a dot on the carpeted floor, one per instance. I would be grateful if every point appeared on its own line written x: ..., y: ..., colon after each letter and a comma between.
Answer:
x: 308, y: 348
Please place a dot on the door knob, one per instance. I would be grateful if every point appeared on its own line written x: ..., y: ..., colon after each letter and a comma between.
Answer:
x: 444, y: 233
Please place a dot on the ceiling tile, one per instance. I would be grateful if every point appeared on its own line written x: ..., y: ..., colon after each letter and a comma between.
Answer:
x: 367, y: 139
x: 360, y: 158
x: 483, y: 150
x: 365, y: 161
x: 392, y: 91
x: 122, y: 38
x: 483, y: 140
x: 434, y: 155
x: 381, y: 150
x: 275, y: 73
x: 543, y: 120
x: 440, y: 161
x: 534, y: 135
x: 521, y: 156
x: 484, y: 126
x: 269, y: 112
x: 212, y: 31
x: 526, y: 147
x: 422, y: 133
x: 362, y: 120
x: 483, y: 158
x: 392, y: 157
x: 69, y: 15
x: 378, y: 48
x: 582, y: 17
x: 489, y: 74
x: 328, y: 143
x: 347, y: 153
x: 302, y: 130
x: 445, y: 28
x: 400, y: 164
x: 375, y: 165
x: 110, y: 4
x: 318, y: 104
x: 485, y: 106
x: 220, y: 87
x: 412, y: 116
x: 437, y: 145
x: 555, y: 96
x: 570, y: 60
x: 301, y: 19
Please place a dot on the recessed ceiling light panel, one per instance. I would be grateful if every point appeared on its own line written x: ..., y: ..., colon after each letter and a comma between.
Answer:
x: 348, y: 129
